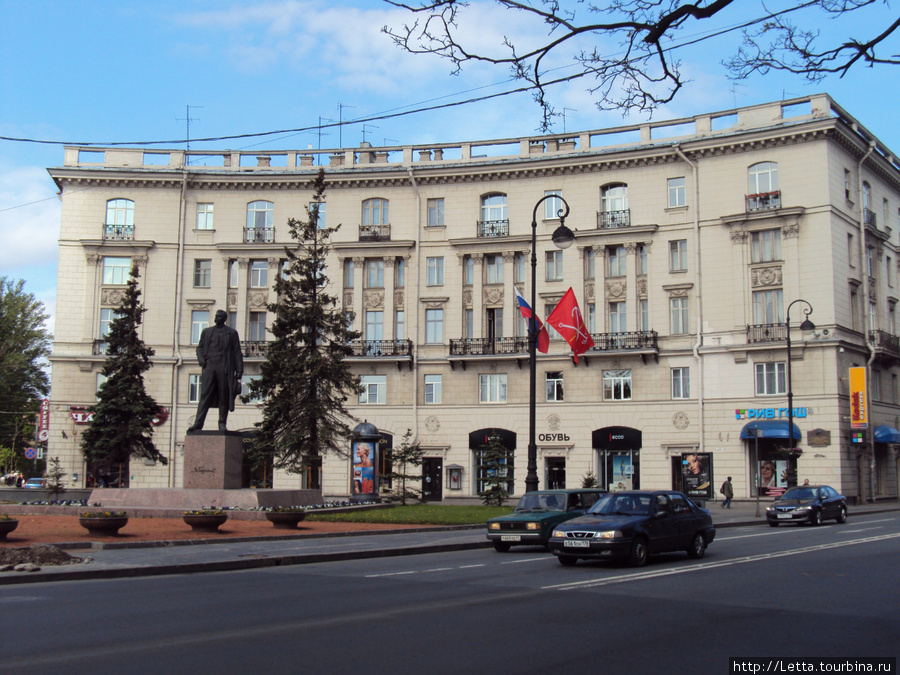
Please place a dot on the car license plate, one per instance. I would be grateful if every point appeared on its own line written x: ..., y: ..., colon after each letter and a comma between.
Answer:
x: 785, y: 515
x: 576, y: 543
x: 510, y: 537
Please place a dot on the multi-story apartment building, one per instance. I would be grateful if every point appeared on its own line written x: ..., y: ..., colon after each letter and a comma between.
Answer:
x: 692, y: 239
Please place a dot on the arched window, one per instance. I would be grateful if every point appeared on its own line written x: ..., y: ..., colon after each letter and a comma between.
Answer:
x: 119, y: 219
x: 260, y: 215
x: 762, y: 187
x: 494, y: 221
x: 375, y: 212
x: 614, y: 210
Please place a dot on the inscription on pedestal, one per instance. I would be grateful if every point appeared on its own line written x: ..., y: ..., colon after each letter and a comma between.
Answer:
x: 213, y: 460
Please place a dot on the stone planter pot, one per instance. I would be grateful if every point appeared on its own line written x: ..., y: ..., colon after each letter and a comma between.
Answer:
x: 285, y: 520
x: 104, y: 526
x: 205, y: 523
x: 7, y: 526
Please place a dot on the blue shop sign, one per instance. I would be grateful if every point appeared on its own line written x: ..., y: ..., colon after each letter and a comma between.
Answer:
x: 767, y: 413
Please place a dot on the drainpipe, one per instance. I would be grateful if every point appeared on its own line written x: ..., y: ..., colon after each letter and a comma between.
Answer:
x: 866, y: 327
x: 176, y: 351
x: 413, y: 316
x: 698, y: 342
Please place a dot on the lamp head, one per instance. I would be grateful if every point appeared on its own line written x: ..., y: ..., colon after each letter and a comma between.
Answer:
x: 807, y: 325
x: 563, y: 237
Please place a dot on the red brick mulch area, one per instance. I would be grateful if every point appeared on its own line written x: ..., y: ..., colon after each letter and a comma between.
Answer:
x: 66, y: 529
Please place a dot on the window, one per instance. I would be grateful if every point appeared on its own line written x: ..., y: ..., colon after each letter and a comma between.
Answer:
x: 552, y: 206
x: 847, y: 184
x: 348, y: 273
x: 678, y: 255
x: 679, y: 316
x: 554, y: 265
x: 867, y: 196
x: 617, y: 317
x: 245, y: 388
x: 375, y: 273
x: 259, y: 274
x: 107, y: 316
x: 199, y: 322
x: 374, y: 389
x: 260, y: 215
x: 873, y: 315
x: 101, y: 380
x: 433, y: 388
x: 492, y: 388
x: 681, y: 382
x: 851, y: 251
x: 493, y: 207
x: 614, y: 206
x: 616, y: 385
x: 233, y: 273
x: 870, y: 261
x: 763, y: 178
x: 317, y: 211
x: 400, y: 325
x: 434, y: 326
x: 194, y: 388
x: 202, y: 273
x: 554, y: 386
x: 770, y: 379
x: 400, y: 266
x: 435, y: 212
x: 375, y: 212
x: 616, y: 258
x: 257, y: 327
x: 644, y: 315
x: 483, y: 471
x: 232, y: 320
x: 120, y: 212
x: 116, y: 270
x: 677, y: 192
x: 892, y: 319
x: 468, y: 271
x: 470, y: 323
x: 768, y: 306
x: 204, y: 216
x: 520, y: 268
x: 765, y: 246
x: 493, y: 268
x: 375, y: 325
x: 434, y: 268
x: 592, y: 317
x: 642, y: 259
x: 885, y: 209
x: 590, y: 263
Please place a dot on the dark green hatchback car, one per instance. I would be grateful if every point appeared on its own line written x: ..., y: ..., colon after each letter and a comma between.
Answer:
x: 536, y: 514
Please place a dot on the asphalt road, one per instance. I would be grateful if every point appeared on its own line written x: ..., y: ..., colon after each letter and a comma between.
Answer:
x: 790, y: 591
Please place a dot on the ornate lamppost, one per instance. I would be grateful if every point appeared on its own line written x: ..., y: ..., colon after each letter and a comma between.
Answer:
x: 807, y: 325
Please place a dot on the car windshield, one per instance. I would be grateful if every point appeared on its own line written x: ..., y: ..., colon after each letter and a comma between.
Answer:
x: 622, y: 505
x: 799, y: 493
x: 541, y: 502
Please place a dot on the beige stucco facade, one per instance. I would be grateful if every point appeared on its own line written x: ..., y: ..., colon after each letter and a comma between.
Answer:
x: 688, y: 250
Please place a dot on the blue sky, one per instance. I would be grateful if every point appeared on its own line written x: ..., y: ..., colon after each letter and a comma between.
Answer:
x: 93, y: 71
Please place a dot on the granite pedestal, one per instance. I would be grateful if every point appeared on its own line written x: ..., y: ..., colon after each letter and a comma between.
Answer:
x: 213, y: 460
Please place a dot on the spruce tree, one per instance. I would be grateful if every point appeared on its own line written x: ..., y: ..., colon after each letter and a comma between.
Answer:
x: 494, y: 467
x: 403, y: 475
x: 120, y: 427
x: 305, y: 380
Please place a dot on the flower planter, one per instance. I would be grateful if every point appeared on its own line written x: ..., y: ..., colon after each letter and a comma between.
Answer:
x: 104, y: 526
x: 205, y: 522
x: 7, y: 526
x: 285, y: 520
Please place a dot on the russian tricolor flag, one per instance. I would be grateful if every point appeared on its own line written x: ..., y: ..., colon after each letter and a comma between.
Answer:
x: 543, y: 338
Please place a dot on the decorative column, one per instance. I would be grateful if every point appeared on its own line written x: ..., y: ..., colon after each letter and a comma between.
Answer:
x: 478, y: 295
x: 389, y: 270
x: 359, y: 283
x: 631, y: 296
x: 510, y: 305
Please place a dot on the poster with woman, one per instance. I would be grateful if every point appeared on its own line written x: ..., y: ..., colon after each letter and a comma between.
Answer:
x: 773, y: 476
x: 695, y: 468
x: 363, y: 468
x: 622, y: 473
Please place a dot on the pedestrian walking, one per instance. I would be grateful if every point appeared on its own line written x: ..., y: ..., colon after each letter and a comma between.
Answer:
x: 727, y: 489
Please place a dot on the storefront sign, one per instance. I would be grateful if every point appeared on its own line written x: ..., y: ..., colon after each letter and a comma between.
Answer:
x: 85, y: 415
x: 859, y: 408
x: 768, y: 413
x: 617, y: 438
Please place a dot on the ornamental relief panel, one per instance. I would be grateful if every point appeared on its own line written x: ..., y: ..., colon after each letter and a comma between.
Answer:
x: 112, y: 296
x: 765, y: 276
x: 373, y: 299
x: 467, y: 297
x: 398, y: 299
x: 589, y: 290
x: 493, y: 295
x: 642, y: 287
x: 232, y: 300
x: 257, y: 299
x: 348, y: 298
x: 616, y: 289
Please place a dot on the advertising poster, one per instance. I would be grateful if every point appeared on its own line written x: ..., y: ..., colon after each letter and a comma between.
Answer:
x: 363, y: 468
x: 622, y: 473
x: 773, y: 476
x: 696, y: 472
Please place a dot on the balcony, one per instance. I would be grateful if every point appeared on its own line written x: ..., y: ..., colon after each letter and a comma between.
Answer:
x: 375, y: 232
x: 488, y: 346
x: 112, y: 232
x: 885, y: 342
x: 493, y: 228
x: 766, y: 332
x: 870, y: 218
x: 608, y: 342
x: 253, y: 348
x: 400, y: 351
x: 764, y: 201
x: 259, y: 235
x: 99, y: 348
x: 613, y: 220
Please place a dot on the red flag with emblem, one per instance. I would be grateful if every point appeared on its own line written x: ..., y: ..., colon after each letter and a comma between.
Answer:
x: 566, y: 318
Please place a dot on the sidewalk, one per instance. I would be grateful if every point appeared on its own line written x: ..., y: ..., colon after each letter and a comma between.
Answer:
x: 112, y: 560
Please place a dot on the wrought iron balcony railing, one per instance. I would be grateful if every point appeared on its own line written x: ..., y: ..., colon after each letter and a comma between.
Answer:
x: 885, y: 341
x: 113, y: 232
x: 870, y: 218
x: 99, y: 348
x: 493, y: 228
x: 763, y: 201
x: 259, y: 235
x: 642, y: 339
x: 251, y: 348
x: 487, y: 346
x: 375, y: 232
x: 613, y: 220
x: 766, y: 332
x: 381, y: 348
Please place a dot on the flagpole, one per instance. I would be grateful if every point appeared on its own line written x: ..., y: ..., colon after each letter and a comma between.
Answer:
x: 562, y: 238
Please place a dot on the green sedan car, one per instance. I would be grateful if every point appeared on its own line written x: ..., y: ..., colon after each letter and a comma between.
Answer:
x: 536, y: 514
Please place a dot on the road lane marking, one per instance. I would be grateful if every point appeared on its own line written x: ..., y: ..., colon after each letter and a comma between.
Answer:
x: 638, y: 576
x: 524, y: 560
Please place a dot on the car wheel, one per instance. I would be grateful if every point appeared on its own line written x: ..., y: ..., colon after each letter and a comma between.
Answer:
x: 638, y: 555
x: 816, y: 517
x: 698, y: 546
x: 842, y: 515
x: 501, y: 546
x: 773, y: 523
x: 567, y: 560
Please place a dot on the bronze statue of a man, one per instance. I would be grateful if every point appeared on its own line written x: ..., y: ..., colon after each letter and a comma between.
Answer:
x: 219, y: 354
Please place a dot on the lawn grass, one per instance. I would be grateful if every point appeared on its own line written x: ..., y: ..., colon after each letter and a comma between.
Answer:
x: 419, y: 514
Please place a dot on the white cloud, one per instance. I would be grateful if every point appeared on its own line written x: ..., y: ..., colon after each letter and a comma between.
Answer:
x: 29, y: 219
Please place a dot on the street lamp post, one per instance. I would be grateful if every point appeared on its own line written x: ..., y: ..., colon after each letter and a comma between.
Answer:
x: 807, y: 325
x: 562, y: 238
